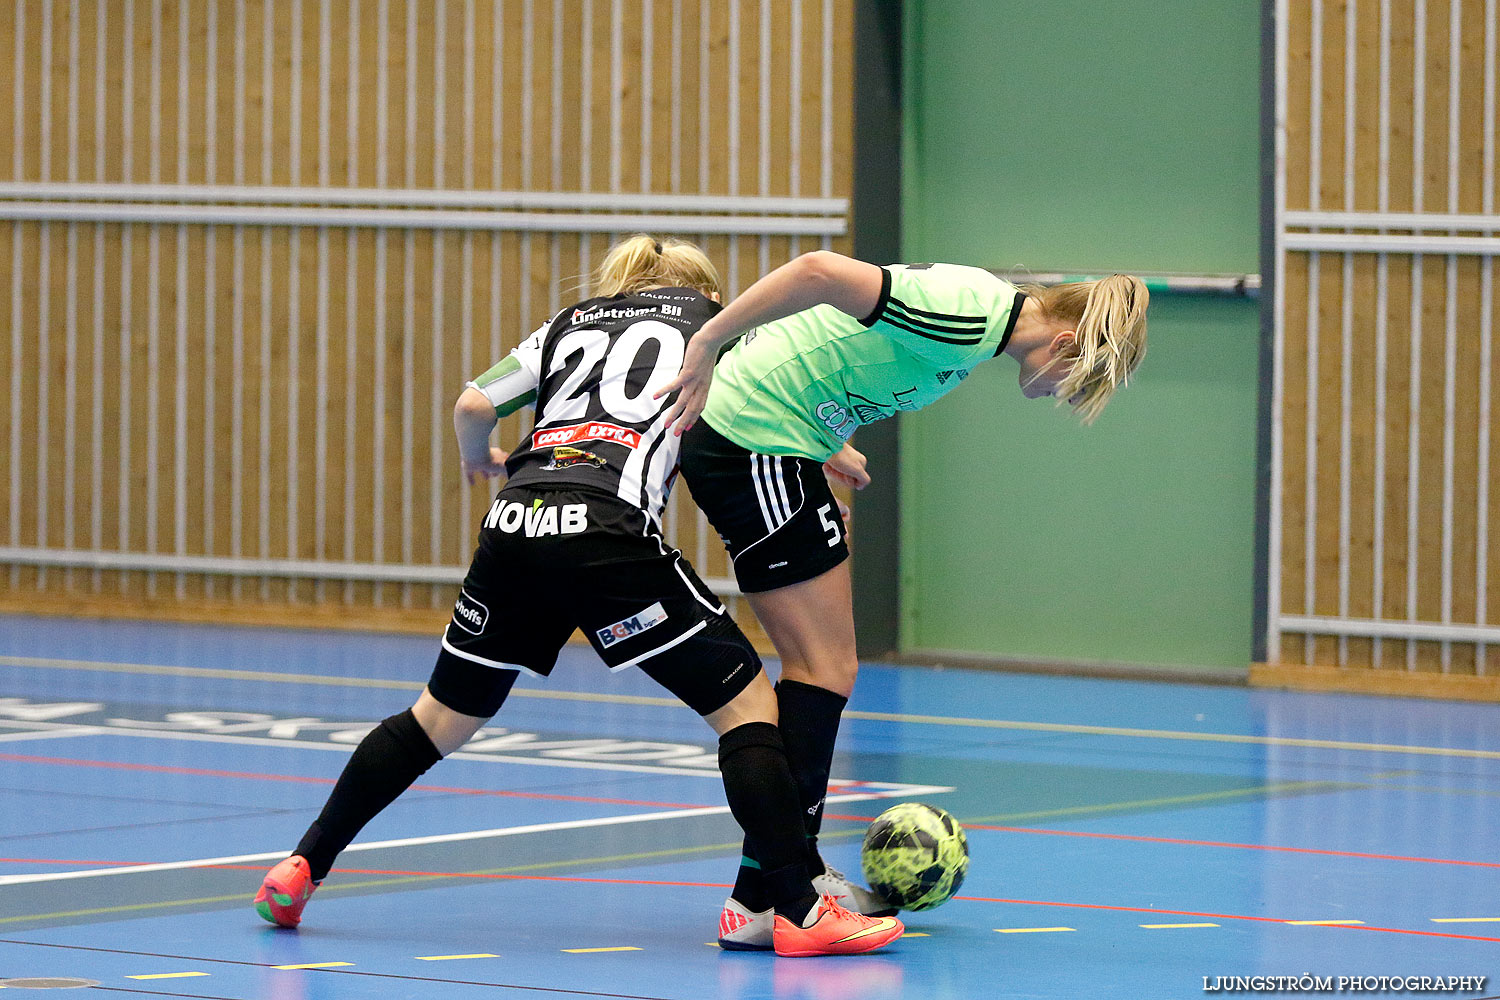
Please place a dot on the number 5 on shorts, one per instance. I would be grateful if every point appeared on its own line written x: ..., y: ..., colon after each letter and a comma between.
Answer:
x: 830, y: 526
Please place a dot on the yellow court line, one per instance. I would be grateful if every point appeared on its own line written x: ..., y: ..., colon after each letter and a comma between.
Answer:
x: 916, y: 934
x: 590, y: 951
x: 1322, y: 923
x: 1031, y: 930
x: 209, y: 673
x: 101, y: 910
x: 451, y: 958
x: 1171, y: 734
x: 1166, y: 927
x: 313, y: 965
x: 621, y: 699
x: 1465, y: 920
x: 1278, y: 788
x: 169, y: 975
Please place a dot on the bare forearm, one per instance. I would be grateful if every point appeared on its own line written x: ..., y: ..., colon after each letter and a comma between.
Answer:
x: 473, y: 420
x: 816, y: 278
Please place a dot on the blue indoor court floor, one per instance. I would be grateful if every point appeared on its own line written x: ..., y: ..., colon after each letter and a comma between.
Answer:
x: 1129, y: 840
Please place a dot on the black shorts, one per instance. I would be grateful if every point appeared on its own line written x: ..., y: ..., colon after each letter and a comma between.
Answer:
x: 776, y: 514
x: 551, y: 560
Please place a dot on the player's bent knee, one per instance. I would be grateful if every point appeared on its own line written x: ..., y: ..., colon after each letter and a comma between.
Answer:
x: 709, y: 670
x: 448, y: 730
x: 756, y: 703
x: 460, y: 696
x: 833, y: 674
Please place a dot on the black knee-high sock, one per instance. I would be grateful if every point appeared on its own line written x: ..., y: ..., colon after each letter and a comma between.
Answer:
x: 394, y: 754
x: 749, y: 887
x: 763, y: 799
x: 809, y: 728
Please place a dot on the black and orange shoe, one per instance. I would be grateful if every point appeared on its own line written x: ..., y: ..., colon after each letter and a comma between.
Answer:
x: 832, y: 930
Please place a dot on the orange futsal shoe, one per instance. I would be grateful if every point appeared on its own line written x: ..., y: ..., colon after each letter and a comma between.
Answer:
x: 832, y: 930
x: 285, y: 891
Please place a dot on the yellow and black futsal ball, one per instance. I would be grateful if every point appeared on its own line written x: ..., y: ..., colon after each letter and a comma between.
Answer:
x: 915, y: 855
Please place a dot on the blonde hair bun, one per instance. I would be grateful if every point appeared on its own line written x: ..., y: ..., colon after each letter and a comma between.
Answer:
x: 642, y: 261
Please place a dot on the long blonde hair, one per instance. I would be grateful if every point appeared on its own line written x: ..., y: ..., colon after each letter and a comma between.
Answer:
x: 640, y: 261
x: 1108, y: 317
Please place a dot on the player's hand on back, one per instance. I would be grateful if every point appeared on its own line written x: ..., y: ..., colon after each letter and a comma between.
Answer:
x: 691, y: 386
x: 490, y: 466
x: 848, y: 467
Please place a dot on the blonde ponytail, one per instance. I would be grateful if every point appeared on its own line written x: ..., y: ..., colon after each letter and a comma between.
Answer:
x: 1108, y: 317
x: 639, y: 262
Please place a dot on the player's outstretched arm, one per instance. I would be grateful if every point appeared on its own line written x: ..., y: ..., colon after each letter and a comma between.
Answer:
x: 818, y: 278
x: 473, y: 419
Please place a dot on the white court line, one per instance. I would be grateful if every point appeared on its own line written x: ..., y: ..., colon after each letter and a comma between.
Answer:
x: 853, y: 714
x: 448, y: 838
x: 261, y: 741
x: 569, y: 762
x: 51, y: 734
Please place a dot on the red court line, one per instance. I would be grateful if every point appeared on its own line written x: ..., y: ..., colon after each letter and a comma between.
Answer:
x: 1220, y: 916
x: 298, y: 779
x: 559, y: 797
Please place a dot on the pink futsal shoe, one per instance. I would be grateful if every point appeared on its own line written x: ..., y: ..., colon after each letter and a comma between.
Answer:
x: 742, y: 929
x: 832, y: 930
x: 285, y: 891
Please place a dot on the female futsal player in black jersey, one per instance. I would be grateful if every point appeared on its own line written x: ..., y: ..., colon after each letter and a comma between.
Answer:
x: 573, y: 540
x: 831, y: 343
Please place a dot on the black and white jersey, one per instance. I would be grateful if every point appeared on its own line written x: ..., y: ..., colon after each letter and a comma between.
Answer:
x: 592, y: 372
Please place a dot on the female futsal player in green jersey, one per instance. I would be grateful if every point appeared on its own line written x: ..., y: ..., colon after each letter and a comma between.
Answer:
x: 830, y: 344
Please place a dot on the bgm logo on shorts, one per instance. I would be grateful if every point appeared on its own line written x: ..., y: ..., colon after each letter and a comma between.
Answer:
x: 634, y: 625
x: 469, y: 614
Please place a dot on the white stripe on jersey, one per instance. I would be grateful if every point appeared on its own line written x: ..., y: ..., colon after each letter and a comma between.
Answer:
x: 659, y: 476
x: 760, y: 493
x: 632, y: 487
x: 786, y: 504
x: 778, y: 497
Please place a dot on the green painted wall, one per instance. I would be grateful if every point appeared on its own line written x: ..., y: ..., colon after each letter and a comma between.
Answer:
x: 1083, y: 134
x: 1087, y: 136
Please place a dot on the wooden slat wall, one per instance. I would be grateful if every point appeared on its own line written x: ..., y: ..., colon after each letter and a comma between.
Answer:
x: 1389, y: 482
x: 262, y: 392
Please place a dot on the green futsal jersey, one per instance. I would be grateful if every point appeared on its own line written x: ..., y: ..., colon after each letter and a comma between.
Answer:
x: 804, y: 384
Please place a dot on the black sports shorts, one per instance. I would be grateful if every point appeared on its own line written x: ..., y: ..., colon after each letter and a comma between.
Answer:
x: 552, y: 560
x: 776, y: 514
